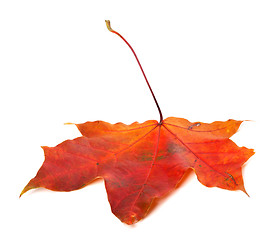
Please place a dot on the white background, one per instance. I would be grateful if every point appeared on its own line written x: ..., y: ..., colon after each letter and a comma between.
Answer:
x: 205, y: 60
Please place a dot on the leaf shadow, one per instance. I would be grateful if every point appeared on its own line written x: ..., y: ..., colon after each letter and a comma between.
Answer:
x: 157, y: 202
x: 35, y: 191
x: 98, y: 180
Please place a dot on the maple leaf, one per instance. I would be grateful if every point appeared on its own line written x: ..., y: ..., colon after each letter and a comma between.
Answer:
x: 143, y: 161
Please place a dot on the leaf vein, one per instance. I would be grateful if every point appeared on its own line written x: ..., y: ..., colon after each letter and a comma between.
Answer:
x: 193, y: 152
x: 192, y: 130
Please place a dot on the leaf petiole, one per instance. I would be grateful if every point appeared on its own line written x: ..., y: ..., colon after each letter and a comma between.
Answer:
x: 157, y: 105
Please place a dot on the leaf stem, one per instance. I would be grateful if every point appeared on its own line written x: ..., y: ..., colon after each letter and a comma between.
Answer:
x: 111, y: 30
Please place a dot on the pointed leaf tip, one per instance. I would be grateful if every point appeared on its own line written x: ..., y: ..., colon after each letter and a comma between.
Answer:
x: 69, y: 123
x: 23, y: 191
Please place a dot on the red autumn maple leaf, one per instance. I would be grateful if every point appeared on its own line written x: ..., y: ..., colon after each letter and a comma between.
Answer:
x: 141, y: 162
